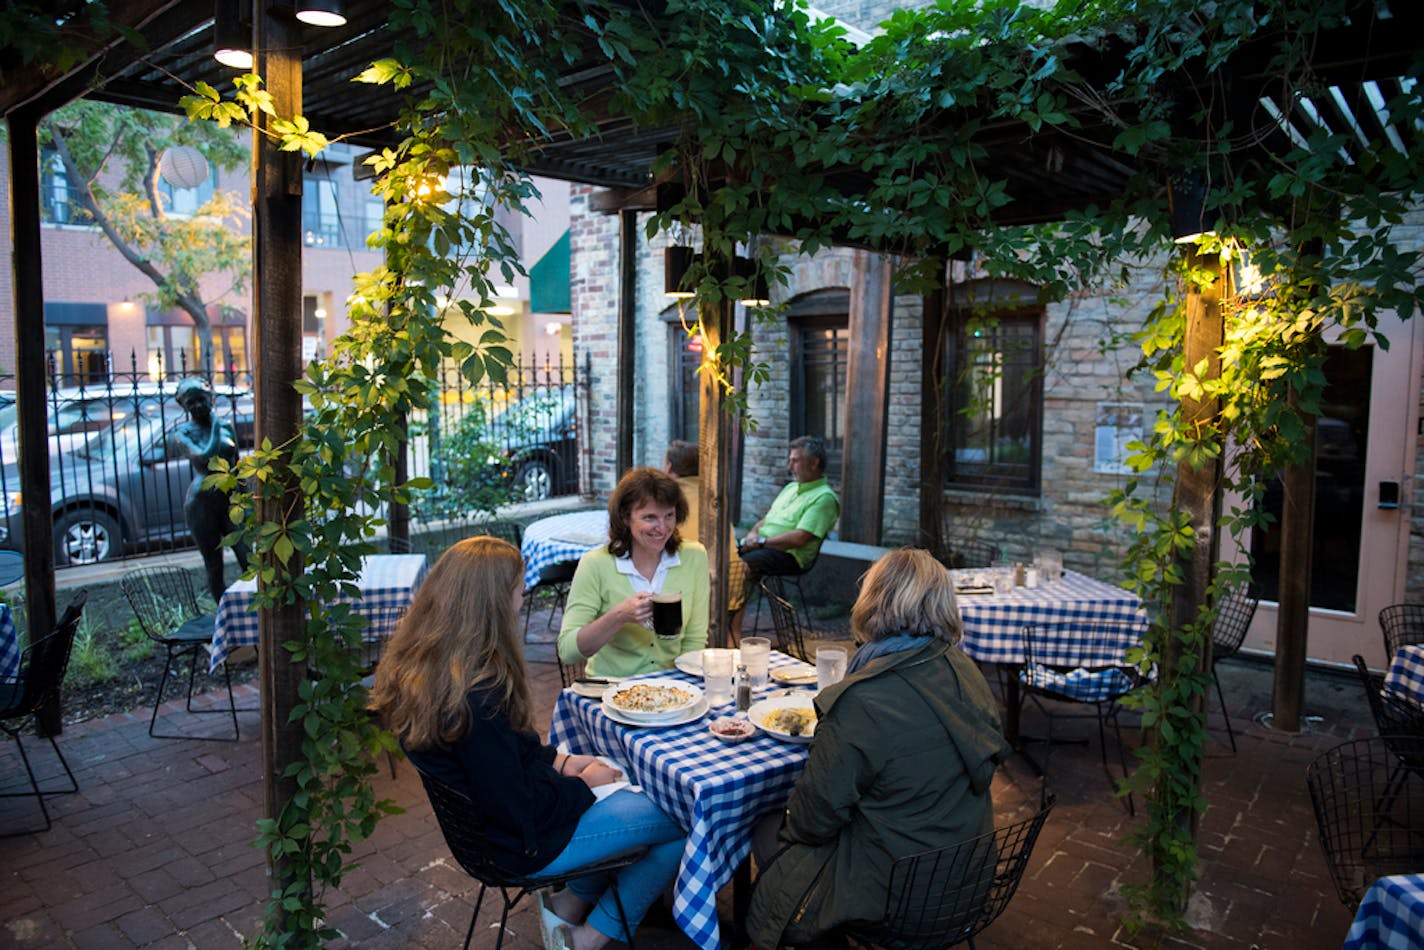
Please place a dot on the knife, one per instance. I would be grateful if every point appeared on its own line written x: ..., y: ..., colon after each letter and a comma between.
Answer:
x: 596, y: 681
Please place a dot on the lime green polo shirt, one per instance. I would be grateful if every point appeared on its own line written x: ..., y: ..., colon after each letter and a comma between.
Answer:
x: 809, y: 506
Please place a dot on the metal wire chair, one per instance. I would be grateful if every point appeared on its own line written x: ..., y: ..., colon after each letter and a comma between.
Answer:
x: 1233, y: 619
x: 1401, y: 624
x: 785, y: 623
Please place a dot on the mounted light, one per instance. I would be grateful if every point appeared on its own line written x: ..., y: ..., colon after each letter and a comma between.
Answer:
x: 756, y: 293
x: 321, y: 12
x: 1186, y: 201
x: 232, y: 36
x: 677, y: 261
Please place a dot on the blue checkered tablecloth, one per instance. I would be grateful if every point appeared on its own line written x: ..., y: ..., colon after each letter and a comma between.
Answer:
x: 387, y: 581
x: 1391, y: 915
x: 1406, y: 673
x: 993, y: 623
x: 9, y: 647
x: 561, y: 538
x: 714, y: 790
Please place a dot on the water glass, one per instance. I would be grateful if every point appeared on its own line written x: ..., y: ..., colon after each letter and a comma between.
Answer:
x: 830, y: 665
x: 756, y: 654
x: 717, y: 675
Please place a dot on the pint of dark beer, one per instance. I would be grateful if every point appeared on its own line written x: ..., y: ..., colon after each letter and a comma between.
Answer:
x: 667, y: 614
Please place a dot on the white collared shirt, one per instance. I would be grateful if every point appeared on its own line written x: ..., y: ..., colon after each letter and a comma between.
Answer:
x: 641, y: 585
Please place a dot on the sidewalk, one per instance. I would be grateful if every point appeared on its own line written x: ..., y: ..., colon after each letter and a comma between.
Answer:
x: 154, y: 850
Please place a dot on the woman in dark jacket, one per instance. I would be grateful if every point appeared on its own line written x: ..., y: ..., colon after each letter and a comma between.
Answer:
x: 451, y: 686
x: 906, y: 746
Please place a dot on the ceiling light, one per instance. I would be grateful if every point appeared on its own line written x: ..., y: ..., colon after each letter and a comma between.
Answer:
x: 232, y: 37
x: 321, y: 12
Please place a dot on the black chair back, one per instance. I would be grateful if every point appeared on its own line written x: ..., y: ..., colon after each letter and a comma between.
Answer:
x: 1369, y: 810
x: 784, y: 622
x: 1233, y: 618
x: 1394, y: 715
x: 1401, y: 624
x: 957, y: 555
x: 45, y: 661
x: 162, y: 598
x: 943, y: 897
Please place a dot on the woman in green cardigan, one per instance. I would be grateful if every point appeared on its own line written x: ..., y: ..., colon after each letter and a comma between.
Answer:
x: 608, y: 617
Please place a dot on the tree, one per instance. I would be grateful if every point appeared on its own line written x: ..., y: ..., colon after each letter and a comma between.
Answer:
x: 113, y: 160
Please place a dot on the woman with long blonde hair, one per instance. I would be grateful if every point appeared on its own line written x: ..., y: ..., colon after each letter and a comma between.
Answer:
x: 452, y: 688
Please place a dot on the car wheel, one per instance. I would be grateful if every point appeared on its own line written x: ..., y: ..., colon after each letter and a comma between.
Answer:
x: 85, y: 537
x: 535, y: 480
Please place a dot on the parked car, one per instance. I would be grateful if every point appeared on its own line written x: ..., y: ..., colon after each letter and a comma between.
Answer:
x: 537, y: 439
x: 120, y: 487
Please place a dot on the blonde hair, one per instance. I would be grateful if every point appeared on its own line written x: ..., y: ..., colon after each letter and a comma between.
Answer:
x: 461, y: 632
x: 906, y: 591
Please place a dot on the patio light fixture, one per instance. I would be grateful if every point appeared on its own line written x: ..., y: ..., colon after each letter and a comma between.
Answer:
x: 328, y: 13
x: 1186, y: 201
x: 677, y: 261
x: 232, y: 33
x: 756, y: 292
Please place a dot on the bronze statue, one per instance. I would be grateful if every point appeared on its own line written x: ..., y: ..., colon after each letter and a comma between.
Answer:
x: 204, y: 437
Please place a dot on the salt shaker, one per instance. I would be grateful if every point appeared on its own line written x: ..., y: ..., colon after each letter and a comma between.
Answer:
x: 744, y: 689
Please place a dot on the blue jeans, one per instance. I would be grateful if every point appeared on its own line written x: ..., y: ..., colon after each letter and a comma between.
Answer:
x: 621, y: 822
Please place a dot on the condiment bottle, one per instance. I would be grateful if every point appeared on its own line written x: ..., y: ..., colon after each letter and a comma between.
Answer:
x: 744, y: 689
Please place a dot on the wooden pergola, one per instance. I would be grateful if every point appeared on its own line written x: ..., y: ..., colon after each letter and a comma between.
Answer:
x: 308, y: 71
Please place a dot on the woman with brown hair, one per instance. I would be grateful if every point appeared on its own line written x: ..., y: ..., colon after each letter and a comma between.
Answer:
x: 906, y: 746
x: 452, y: 688
x: 607, y: 618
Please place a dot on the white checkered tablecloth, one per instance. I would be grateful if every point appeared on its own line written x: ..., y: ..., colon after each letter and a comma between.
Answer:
x: 1391, y: 915
x: 387, y: 580
x: 561, y: 538
x: 993, y: 623
x: 714, y: 790
x: 9, y: 647
x: 1406, y: 673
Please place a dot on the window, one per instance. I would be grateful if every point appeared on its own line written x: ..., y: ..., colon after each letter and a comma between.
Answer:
x: 185, y: 202
x: 174, y: 345
x: 995, y: 400
x: 686, y: 407
x: 375, y: 214
x: 59, y: 204
x: 818, y: 384
x: 321, y: 219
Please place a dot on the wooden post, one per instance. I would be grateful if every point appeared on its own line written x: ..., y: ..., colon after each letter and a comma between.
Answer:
x: 627, y: 335
x: 713, y: 451
x: 867, y: 385
x: 931, y: 424
x: 277, y: 289
x: 36, y: 520
x: 1195, y: 490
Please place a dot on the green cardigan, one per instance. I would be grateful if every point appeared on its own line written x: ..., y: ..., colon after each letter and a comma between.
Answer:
x: 598, y: 586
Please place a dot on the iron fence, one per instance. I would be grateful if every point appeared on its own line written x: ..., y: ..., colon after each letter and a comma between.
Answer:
x: 118, y: 479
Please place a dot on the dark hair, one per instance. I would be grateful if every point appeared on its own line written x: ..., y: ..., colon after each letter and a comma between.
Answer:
x: 639, y: 487
x: 682, y: 458
x: 813, y: 446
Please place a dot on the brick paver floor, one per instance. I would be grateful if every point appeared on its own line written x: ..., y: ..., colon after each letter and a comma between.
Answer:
x: 154, y: 850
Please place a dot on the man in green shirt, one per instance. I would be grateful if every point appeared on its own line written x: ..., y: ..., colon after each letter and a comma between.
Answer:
x: 788, y: 539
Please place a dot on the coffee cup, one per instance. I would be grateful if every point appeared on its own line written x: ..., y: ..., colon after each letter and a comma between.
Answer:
x: 667, y: 614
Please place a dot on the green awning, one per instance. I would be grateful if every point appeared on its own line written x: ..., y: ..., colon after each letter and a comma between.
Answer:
x: 549, y: 280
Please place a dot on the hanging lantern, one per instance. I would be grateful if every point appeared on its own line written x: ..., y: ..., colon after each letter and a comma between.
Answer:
x: 183, y: 166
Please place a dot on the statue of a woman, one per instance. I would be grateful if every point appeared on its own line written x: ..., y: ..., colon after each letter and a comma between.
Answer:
x: 204, y: 437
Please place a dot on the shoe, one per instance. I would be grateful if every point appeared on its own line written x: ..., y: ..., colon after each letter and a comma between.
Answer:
x: 560, y: 938
x: 551, y: 923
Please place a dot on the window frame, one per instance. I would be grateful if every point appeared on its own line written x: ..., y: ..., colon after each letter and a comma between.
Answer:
x: 827, y: 309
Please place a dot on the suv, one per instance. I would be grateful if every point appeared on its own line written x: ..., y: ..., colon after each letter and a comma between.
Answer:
x: 537, y: 438
x: 120, y: 486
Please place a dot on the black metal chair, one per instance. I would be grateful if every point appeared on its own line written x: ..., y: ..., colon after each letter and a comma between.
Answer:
x: 1395, y: 717
x: 1233, y: 619
x: 944, y: 897
x: 554, y: 578
x: 957, y: 555
x: 1369, y: 810
x: 785, y: 623
x: 460, y: 824
x: 1401, y: 624
x: 776, y: 584
x: 166, y: 606
x: 42, y: 667
x: 1082, y: 662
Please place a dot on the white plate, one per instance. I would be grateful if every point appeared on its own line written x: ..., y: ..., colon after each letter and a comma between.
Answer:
x: 691, y: 662
x: 759, y: 711
x: 794, y: 675
x: 694, y: 696
x: 594, y: 690
x: 687, y: 715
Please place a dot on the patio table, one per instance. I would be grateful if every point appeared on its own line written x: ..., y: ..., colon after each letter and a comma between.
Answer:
x: 714, y: 790
x: 558, y: 538
x: 387, y: 581
x: 9, y: 647
x: 1406, y: 674
x: 1391, y: 914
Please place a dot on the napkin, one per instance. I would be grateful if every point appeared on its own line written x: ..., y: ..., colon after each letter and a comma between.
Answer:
x: 603, y: 791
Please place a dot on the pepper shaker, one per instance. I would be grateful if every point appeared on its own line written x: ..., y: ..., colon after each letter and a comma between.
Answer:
x: 744, y: 689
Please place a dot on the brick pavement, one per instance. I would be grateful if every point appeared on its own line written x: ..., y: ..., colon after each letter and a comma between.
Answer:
x: 153, y: 851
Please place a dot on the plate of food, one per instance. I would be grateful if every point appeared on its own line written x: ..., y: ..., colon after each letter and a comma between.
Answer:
x: 692, y: 714
x: 798, y: 675
x: 691, y: 661
x: 651, y: 701
x: 788, y: 718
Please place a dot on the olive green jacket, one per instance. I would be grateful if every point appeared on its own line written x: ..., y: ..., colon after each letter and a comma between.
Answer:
x: 904, y: 753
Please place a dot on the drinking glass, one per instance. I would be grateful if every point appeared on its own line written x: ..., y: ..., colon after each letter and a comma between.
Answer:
x: 830, y: 665
x: 667, y: 614
x: 717, y: 675
x: 756, y: 654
